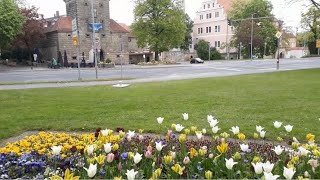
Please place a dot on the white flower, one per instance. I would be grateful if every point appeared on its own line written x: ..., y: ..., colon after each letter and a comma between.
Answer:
x: 306, y: 174
x: 259, y: 128
x: 56, y: 150
x: 288, y: 173
x: 267, y: 167
x: 90, y: 149
x: 107, y: 147
x: 288, y: 128
x: 204, y: 131
x: 257, y: 167
x: 215, y: 129
x: 131, y: 174
x: 210, y: 117
x: 303, y: 151
x: 105, y: 132
x: 185, y: 116
x: 263, y: 134
x: 277, y: 124
x: 131, y: 134
x: 244, y: 147
x: 92, y: 170
x: 230, y: 163
x: 159, y: 146
x: 278, y: 150
x: 213, y: 122
x: 137, y: 158
x: 179, y: 127
x: 199, y: 135
x: 160, y: 120
x: 235, y: 130
x: 270, y: 176
x: 295, y: 140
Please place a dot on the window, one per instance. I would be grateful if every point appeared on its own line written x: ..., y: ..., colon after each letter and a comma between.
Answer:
x: 216, y: 14
x: 207, y: 16
x: 207, y: 29
x: 204, y: 6
x: 210, y: 29
x: 208, y: 6
x: 212, y: 4
x: 200, y: 30
x: 217, y: 44
x: 210, y: 15
x: 217, y: 28
x: 201, y: 17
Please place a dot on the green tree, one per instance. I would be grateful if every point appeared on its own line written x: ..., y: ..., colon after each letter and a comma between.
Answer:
x: 202, y: 48
x: 188, y: 37
x: 264, y: 29
x: 310, y: 21
x: 11, y: 21
x: 159, y: 25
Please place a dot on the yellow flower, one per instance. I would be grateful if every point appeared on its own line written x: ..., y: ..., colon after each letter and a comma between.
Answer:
x: 310, y: 137
x: 167, y: 159
x: 118, y: 178
x: 225, y: 135
x: 178, y: 169
x: 295, y: 145
x: 279, y: 139
x: 141, y: 131
x: 202, y: 151
x: 114, y: 138
x: 115, y: 147
x: 173, y: 126
x: 256, y: 159
x: 193, y: 128
x: 156, y: 174
x: 70, y: 176
x: 237, y: 156
x: 187, y: 131
x: 208, y: 174
x: 56, y: 177
x: 121, y: 134
x: 223, y: 148
x: 241, y: 136
x: 193, y: 152
x: 131, y: 155
x: 295, y: 159
x: 101, y: 159
x: 91, y: 160
x: 255, y: 135
x: 316, y: 153
x: 290, y: 165
x: 182, y: 138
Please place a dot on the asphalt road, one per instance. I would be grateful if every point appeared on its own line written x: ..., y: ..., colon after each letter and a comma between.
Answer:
x: 184, y: 70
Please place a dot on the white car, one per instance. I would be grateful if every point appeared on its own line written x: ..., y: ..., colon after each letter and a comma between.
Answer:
x: 196, y: 61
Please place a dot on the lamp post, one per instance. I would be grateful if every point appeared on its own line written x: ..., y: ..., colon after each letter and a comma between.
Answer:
x: 251, y: 35
x: 93, y: 41
x: 209, y: 51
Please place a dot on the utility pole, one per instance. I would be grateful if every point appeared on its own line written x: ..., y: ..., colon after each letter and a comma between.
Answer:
x: 93, y: 40
x: 209, y: 51
x: 227, y: 44
x: 251, y: 35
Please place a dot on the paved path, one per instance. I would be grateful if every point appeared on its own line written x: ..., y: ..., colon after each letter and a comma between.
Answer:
x: 150, y: 73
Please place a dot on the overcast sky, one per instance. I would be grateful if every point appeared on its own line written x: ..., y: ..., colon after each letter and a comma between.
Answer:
x: 122, y: 10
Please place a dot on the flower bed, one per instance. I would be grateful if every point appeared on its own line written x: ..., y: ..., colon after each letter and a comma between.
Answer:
x: 184, y: 153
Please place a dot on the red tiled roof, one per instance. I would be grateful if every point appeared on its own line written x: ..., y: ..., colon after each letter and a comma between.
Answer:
x: 226, y: 4
x: 63, y: 24
x: 117, y: 28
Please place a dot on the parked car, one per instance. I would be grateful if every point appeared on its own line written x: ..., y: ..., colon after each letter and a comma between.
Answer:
x: 196, y: 61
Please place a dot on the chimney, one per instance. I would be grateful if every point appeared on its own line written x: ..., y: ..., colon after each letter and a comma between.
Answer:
x: 57, y: 13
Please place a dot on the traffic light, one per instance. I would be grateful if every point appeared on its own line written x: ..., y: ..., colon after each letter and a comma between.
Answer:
x: 229, y: 22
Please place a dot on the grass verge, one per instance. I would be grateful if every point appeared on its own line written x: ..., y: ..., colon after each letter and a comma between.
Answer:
x: 247, y: 100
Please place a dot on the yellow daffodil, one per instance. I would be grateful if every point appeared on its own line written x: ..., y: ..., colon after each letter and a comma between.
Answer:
x: 101, y: 159
x: 178, y: 169
x: 222, y: 148
x: 208, y: 174
x: 193, y: 152
x: 182, y: 138
x: 168, y: 159
x: 241, y: 136
x: 70, y: 176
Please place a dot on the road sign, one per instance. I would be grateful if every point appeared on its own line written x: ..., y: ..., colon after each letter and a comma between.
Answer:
x: 318, y: 43
x: 75, y: 41
x: 74, y: 25
x: 279, y: 34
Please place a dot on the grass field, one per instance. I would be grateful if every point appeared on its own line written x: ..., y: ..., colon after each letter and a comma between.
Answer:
x: 248, y: 100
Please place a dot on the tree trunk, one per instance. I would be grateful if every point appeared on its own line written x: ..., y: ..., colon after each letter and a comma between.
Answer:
x: 157, y: 55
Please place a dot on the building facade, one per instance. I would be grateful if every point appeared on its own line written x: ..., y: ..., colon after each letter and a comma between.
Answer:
x: 211, y: 24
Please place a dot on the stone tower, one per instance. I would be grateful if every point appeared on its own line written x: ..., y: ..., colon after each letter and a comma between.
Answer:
x: 82, y: 11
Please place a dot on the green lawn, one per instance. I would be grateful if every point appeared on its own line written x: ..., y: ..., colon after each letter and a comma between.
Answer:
x: 248, y: 100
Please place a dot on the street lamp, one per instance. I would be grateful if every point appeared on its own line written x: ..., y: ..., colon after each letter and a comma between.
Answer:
x: 251, y: 35
x: 209, y: 51
x: 93, y: 40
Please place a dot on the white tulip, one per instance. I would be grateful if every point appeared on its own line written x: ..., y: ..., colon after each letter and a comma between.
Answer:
x: 179, y: 127
x: 303, y: 151
x: 288, y: 173
x: 306, y: 174
x: 215, y: 129
x: 159, y: 146
x: 107, y: 147
x: 267, y: 167
x: 277, y: 124
x: 270, y: 176
x: 90, y: 149
x: 263, y: 134
x: 259, y: 128
x: 160, y: 120
x: 210, y: 117
x: 131, y: 134
x: 137, y: 158
x: 185, y: 116
x: 199, y: 135
x: 204, y: 131
x: 244, y: 147
x: 213, y: 122
x: 56, y: 150
x: 295, y: 140
x: 92, y: 170
x: 278, y: 150
x: 105, y: 132
x: 235, y: 130
x: 258, y: 167
x: 288, y: 128
x: 230, y: 163
x: 131, y: 174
